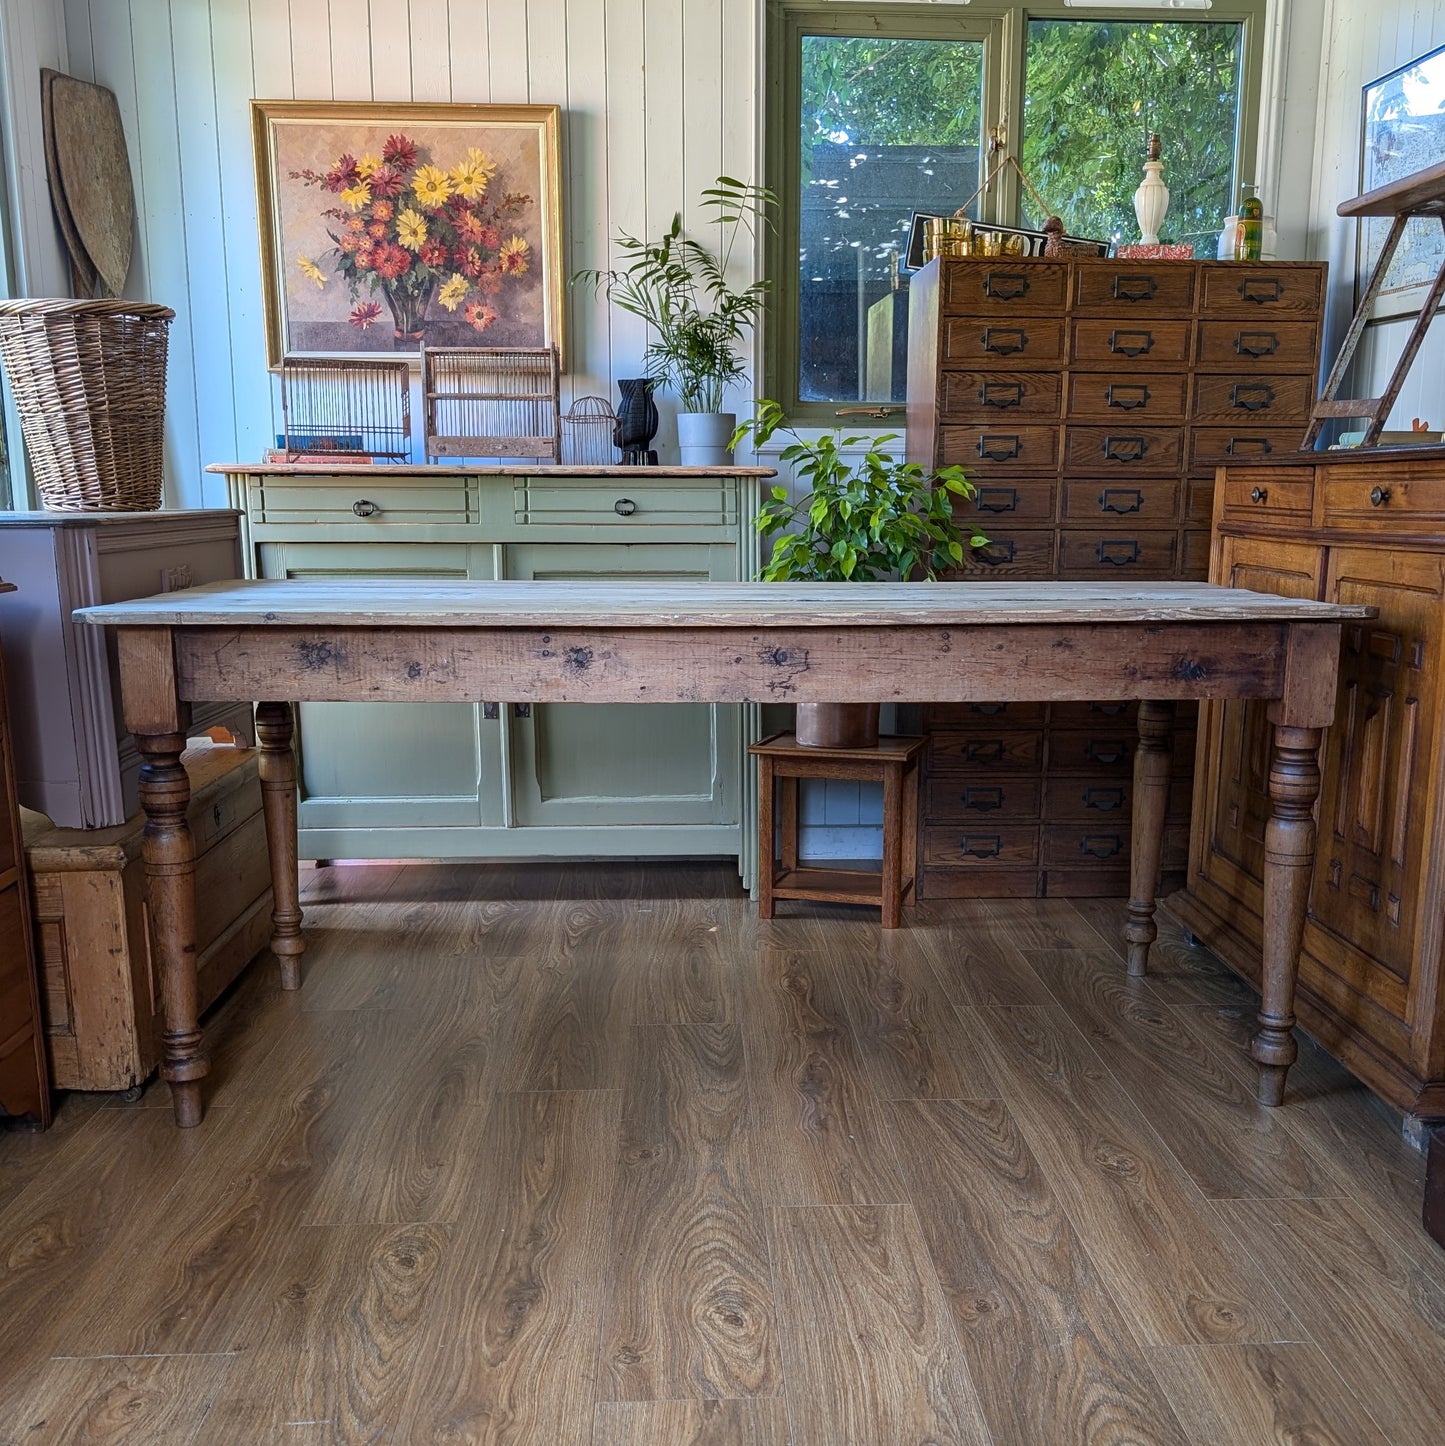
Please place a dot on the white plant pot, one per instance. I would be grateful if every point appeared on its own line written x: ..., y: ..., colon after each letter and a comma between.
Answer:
x: 703, y: 437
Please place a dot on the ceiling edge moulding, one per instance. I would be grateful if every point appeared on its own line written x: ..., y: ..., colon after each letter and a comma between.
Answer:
x: 1139, y: 4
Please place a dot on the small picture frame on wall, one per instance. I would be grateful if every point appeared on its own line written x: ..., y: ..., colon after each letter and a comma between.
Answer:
x: 385, y: 226
x: 1402, y: 131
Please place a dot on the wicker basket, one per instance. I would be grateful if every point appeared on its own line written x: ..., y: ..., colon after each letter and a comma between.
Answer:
x: 90, y: 382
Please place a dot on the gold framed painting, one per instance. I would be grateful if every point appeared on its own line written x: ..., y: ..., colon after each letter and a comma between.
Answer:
x: 386, y: 226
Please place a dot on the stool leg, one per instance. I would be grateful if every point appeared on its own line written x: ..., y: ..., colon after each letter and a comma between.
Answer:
x: 910, y: 831
x: 892, y: 847
x: 788, y: 788
x: 766, y: 863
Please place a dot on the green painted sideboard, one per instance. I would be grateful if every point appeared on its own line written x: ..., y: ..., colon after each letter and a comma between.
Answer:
x: 454, y: 780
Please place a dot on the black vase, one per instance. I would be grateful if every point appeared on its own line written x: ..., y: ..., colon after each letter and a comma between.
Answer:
x: 636, y: 422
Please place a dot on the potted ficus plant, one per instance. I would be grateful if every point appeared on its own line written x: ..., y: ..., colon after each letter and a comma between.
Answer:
x: 699, y: 321
x: 875, y: 519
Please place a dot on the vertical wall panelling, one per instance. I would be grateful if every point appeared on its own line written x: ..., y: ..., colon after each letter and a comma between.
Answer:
x: 628, y: 177
x: 391, y: 45
x: 702, y: 119
x: 585, y: 197
x: 470, y: 69
x: 665, y: 124
x: 271, y: 71
x: 507, y: 35
x: 431, y: 50
x: 342, y: 30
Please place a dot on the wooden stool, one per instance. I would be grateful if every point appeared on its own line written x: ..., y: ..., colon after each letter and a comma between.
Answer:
x: 894, y: 763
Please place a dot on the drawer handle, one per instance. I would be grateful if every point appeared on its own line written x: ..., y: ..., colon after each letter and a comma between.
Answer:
x: 1252, y: 396
x: 216, y: 815
x: 1379, y: 496
x: 1259, y: 494
x: 1256, y: 343
x: 1116, y: 394
x: 1261, y: 289
x: 491, y: 710
x: 1125, y: 449
x: 1249, y: 446
x: 983, y: 750
x: 1121, y: 500
x: 1001, y: 394
x: 1134, y: 288
x: 997, y: 499
x: 1104, y: 799
x: 362, y: 508
x: 521, y: 710
x: 1004, y: 340
x: 624, y: 507
x: 1101, y: 845
x: 1121, y: 344
x: 981, y: 846
x: 1005, y: 285
x: 995, y: 554
x: 988, y: 710
x: 1119, y: 552
x: 1106, y: 750
x: 1002, y: 447
x: 1109, y: 710
x: 984, y: 800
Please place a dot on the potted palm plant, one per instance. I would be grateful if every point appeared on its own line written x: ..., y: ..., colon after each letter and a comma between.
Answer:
x: 877, y: 519
x: 699, y: 321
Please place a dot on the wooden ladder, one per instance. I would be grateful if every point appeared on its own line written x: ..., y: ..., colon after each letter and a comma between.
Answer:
x: 1420, y: 194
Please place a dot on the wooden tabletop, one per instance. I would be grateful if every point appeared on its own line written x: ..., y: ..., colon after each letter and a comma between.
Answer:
x: 405, y: 604
x: 322, y: 467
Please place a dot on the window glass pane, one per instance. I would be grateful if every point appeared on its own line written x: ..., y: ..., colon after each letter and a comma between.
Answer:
x: 888, y: 127
x: 6, y: 491
x: 1096, y: 88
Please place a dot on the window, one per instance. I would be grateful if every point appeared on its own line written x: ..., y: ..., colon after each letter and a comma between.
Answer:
x: 880, y: 111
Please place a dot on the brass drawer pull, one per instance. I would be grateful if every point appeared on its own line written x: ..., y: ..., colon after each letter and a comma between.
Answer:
x: 1121, y: 500
x: 1106, y: 750
x: 1261, y: 289
x: 997, y: 499
x: 1259, y: 494
x: 1119, y: 552
x: 1249, y: 446
x: 1001, y: 446
x: 1125, y: 449
x: 362, y: 508
x: 995, y: 554
x: 1134, y: 288
x: 1251, y: 396
x: 1004, y: 340
x: 1005, y: 285
x: 1001, y: 394
x: 1104, y: 799
x: 981, y: 846
x: 1117, y: 394
x: 1379, y: 496
x: 1131, y: 343
x: 983, y: 750
x: 1255, y: 343
x: 1101, y: 845
x: 984, y: 800
x: 624, y: 507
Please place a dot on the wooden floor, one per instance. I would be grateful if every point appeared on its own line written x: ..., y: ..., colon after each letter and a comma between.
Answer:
x: 590, y: 1155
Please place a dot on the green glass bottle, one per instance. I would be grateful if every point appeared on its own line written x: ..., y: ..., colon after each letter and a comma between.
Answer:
x: 1249, y: 231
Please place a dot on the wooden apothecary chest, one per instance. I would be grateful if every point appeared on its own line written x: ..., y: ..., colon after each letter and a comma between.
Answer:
x: 1091, y: 400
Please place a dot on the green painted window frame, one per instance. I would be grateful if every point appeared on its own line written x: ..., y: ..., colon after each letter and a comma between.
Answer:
x: 1002, y: 25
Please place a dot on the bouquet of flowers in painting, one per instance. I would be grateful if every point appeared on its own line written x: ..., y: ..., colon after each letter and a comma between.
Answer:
x: 419, y: 235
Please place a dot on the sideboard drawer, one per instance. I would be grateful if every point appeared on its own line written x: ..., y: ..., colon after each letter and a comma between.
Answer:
x: 1362, y: 494
x: 623, y: 502
x: 374, y: 499
x: 1267, y: 492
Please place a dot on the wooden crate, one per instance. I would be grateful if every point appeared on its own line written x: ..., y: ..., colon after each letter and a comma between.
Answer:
x: 87, y: 886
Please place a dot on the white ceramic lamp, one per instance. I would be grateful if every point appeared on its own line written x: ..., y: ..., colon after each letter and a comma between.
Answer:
x: 1151, y: 200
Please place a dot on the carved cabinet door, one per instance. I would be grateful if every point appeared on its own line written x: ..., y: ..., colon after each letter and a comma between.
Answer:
x: 1378, y: 766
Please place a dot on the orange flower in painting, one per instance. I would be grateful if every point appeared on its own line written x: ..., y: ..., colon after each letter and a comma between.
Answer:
x: 382, y: 211
x: 478, y: 315
x: 469, y: 226
x: 391, y: 261
x: 365, y: 314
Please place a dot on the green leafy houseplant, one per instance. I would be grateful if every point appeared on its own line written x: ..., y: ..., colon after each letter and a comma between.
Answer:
x: 680, y: 289
x: 872, y: 520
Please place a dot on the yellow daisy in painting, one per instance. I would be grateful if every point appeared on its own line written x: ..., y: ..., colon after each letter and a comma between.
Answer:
x: 470, y: 178
x: 368, y: 166
x: 453, y: 291
x: 357, y: 196
x: 432, y: 187
x: 513, y: 256
x: 411, y: 229
x: 311, y: 270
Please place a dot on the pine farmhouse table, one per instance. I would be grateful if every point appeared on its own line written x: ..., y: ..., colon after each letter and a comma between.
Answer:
x: 285, y: 642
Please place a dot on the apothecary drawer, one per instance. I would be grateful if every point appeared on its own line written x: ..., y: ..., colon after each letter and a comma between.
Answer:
x: 1001, y: 450
x: 1152, y: 290
x: 1130, y: 553
x: 998, y: 396
x: 624, y: 501
x: 1265, y: 346
x: 1211, y: 447
x: 1147, y: 503
x: 995, y: 800
x: 1398, y: 498
x: 1097, y: 750
x: 997, y: 288
x: 1024, y: 343
x: 1106, y: 396
x: 371, y: 499
x: 1024, y: 553
x: 1236, y: 399
x: 987, y: 717
x: 996, y: 847
x: 1027, y: 500
x: 1263, y: 290
x: 1006, y: 750
x: 1131, y: 346
x: 1123, y: 448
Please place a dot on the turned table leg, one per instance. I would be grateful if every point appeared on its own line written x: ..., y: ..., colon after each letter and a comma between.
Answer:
x: 170, y: 862
x: 1151, y: 803
x: 1289, y: 855
x: 274, y: 728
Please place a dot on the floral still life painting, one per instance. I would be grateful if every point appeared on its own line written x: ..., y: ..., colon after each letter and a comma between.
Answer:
x: 386, y: 227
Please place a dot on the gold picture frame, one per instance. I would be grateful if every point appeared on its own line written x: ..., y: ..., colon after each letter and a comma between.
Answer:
x: 383, y: 226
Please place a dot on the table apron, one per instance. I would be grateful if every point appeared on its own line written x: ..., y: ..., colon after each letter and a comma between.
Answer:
x: 867, y: 663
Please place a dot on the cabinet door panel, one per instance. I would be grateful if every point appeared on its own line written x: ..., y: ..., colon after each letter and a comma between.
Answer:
x: 581, y: 764
x: 390, y: 765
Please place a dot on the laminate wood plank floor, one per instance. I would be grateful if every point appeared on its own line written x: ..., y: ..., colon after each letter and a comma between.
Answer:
x: 588, y: 1155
